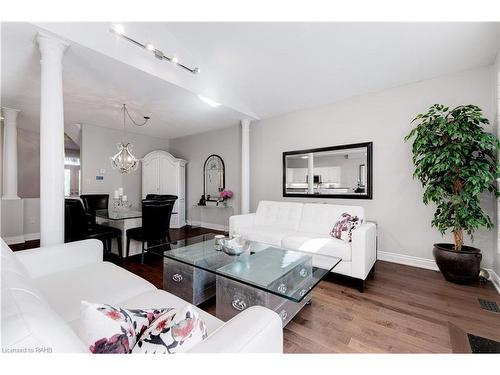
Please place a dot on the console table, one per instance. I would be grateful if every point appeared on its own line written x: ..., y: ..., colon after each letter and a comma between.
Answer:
x: 205, y: 215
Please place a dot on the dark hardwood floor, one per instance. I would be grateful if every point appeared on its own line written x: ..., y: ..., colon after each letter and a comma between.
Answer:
x: 403, y: 310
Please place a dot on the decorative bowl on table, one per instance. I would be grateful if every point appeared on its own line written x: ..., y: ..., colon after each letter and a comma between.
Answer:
x: 235, y: 246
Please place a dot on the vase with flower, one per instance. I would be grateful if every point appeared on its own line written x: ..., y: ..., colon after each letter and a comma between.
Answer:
x: 225, y: 195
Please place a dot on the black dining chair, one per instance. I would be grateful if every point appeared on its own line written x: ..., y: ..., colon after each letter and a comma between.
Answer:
x: 161, y: 197
x: 93, y: 202
x: 77, y: 227
x: 155, y: 229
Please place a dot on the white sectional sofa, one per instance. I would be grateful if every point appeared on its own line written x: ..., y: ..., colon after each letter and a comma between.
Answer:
x: 306, y: 227
x: 42, y: 290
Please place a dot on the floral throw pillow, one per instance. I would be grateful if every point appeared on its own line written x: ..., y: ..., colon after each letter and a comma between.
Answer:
x: 173, y: 333
x: 108, y: 329
x: 344, y: 226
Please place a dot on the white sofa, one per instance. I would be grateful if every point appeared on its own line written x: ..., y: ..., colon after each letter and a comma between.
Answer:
x: 306, y: 227
x: 42, y: 289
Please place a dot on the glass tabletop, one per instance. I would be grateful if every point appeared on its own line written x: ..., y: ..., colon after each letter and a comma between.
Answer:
x: 118, y: 215
x: 290, y: 274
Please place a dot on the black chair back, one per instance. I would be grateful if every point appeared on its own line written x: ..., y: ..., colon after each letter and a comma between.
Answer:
x: 161, y: 197
x: 75, y: 221
x: 156, y: 219
x: 93, y: 202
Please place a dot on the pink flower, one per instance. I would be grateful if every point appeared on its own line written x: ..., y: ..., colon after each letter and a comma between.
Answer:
x: 115, y: 315
x: 226, y: 194
x: 183, y: 329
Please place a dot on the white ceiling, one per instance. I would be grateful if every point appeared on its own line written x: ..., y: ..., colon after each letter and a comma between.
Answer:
x: 264, y: 69
x: 96, y: 86
x: 283, y: 67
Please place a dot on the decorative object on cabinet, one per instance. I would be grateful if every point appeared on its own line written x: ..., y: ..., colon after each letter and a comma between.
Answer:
x: 214, y: 179
x: 202, y: 201
x: 124, y: 160
x: 225, y: 195
x: 163, y: 173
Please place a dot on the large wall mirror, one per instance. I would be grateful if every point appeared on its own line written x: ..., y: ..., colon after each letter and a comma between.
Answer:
x: 213, y: 177
x: 329, y: 172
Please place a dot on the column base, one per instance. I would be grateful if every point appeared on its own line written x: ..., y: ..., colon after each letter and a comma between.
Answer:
x: 12, y: 218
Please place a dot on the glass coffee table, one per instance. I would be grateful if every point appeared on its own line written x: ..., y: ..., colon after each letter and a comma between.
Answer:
x: 266, y: 275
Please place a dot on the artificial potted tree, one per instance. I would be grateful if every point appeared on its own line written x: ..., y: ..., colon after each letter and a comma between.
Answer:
x: 455, y: 160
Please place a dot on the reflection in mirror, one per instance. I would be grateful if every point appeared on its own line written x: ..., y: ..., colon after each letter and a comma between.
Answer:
x: 214, y: 179
x: 337, y: 172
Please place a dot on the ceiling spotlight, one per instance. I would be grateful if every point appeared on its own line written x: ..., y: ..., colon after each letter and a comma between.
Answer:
x: 159, y: 54
x: 210, y: 102
x: 118, y: 29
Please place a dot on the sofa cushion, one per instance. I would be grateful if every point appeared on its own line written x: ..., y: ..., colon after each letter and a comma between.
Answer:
x: 320, y: 218
x: 159, y: 298
x: 28, y: 322
x: 266, y: 234
x: 109, y: 329
x: 102, y: 282
x: 319, y: 244
x: 174, y: 332
x: 282, y: 215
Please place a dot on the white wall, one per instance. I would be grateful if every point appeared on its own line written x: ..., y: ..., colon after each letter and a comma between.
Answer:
x: 28, y: 159
x: 195, y: 149
x: 496, y: 98
x: 98, y: 145
x: 384, y: 118
x: 31, y: 218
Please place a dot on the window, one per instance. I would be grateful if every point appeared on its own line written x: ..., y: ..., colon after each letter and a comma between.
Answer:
x: 71, y: 176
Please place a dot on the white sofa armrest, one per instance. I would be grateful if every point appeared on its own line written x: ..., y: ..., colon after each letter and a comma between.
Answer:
x: 364, y: 250
x: 239, y: 221
x: 51, y: 259
x: 254, y: 330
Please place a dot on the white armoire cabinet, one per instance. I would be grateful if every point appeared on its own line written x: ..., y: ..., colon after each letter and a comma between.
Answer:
x: 164, y: 174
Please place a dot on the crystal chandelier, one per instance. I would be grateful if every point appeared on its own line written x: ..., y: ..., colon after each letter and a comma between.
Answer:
x: 124, y: 160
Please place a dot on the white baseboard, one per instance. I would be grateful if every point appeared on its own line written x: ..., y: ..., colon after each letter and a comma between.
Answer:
x: 14, y: 239
x: 495, y: 279
x: 31, y: 236
x: 21, y: 239
x: 213, y: 226
x: 408, y: 260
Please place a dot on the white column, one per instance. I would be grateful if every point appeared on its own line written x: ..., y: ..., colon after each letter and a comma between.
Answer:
x: 310, y: 173
x: 9, y: 187
x: 51, y: 140
x: 245, y: 166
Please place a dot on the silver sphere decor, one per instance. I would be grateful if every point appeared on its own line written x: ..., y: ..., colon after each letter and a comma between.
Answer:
x: 484, y: 276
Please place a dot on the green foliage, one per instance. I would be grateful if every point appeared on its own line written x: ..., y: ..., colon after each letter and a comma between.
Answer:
x: 455, y: 160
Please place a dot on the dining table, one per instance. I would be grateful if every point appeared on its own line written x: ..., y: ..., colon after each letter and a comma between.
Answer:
x: 123, y: 220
